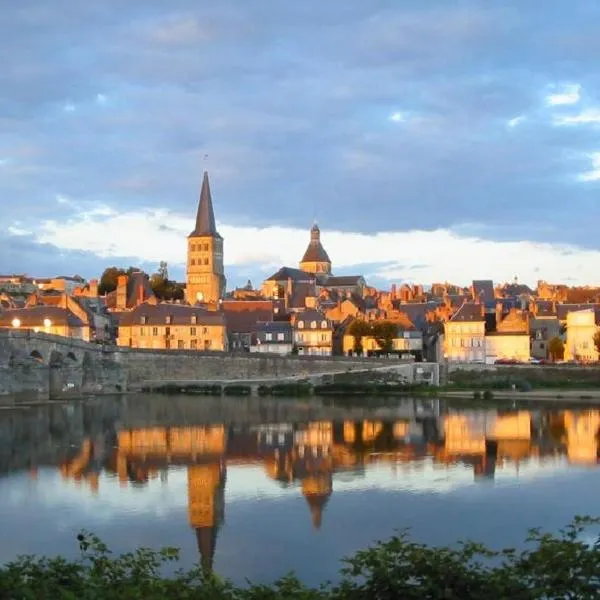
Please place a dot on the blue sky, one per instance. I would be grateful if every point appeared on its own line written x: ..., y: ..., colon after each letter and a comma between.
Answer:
x: 432, y: 140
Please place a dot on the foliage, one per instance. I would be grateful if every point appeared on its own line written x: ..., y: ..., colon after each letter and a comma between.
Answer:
x: 556, y: 348
x: 597, y: 341
x: 552, y: 566
x: 161, y: 285
x: 383, y: 332
x: 359, y: 329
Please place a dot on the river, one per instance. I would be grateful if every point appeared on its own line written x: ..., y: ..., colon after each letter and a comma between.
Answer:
x: 258, y: 487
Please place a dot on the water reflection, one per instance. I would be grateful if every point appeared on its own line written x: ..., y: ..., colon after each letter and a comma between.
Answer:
x: 312, y: 447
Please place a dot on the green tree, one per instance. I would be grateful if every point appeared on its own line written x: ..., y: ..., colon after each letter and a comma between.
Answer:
x: 384, y: 333
x: 597, y: 341
x: 108, y: 279
x: 556, y: 348
x: 163, y: 287
x: 359, y: 329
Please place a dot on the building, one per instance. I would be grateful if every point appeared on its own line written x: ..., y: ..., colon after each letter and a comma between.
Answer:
x: 313, y: 333
x: 582, y: 326
x: 543, y: 327
x: 275, y: 337
x: 464, y: 334
x: 242, y: 317
x: 54, y: 320
x: 510, y: 337
x: 205, y: 279
x: 315, y: 259
x: 173, y: 327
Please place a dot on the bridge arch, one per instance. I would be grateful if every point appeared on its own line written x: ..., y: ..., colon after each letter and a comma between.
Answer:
x: 71, y: 357
x: 37, y: 355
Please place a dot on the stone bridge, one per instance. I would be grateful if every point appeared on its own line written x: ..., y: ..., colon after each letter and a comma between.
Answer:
x: 51, y: 366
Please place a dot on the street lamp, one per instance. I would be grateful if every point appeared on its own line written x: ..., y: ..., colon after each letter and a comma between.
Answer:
x: 47, y: 323
x: 16, y: 323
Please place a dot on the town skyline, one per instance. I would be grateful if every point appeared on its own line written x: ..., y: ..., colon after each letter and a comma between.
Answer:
x: 455, y: 126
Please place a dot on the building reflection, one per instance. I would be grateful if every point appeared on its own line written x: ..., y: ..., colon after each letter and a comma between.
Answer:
x: 308, y: 456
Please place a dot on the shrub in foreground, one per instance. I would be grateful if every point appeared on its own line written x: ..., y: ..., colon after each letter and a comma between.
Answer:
x: 551, y: 567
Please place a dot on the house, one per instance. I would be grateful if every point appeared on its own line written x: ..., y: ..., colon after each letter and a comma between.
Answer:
x: 242, y: 317
x: 510, y: 337
x: 55, y: 320
x: 582, y: 326
x: 313, y: 333
x: 172, y: 327
x: 464, y: 334
x: 483, y: 291
x: 274, y: 336
x: 543, y: 326
x: 132, y: 291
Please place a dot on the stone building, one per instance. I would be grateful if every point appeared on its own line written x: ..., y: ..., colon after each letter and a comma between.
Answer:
x: 313, y: 333
x: 53, y: 320
x: 173, y: 327
x: 205, y: 278
x: 582, y: 326
x: 464, y: 334
x: 315, y: 259
x: 510, y: 338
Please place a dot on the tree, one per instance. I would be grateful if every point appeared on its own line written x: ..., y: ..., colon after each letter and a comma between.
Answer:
x: 556, y: 348
x: 163, y: 287
x: 359, y: 329
x: 108, y: 279
x: 597, y: 341
x: 384, y: 333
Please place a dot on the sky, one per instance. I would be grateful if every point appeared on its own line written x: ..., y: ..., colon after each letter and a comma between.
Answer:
x: 446, y: 140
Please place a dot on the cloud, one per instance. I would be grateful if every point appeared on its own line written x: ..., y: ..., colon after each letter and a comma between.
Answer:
x: 586, y: 117
x: 295, y: 128
x: 515, y: 121
x: 397, y: 117
x: 594, y: 174
x: 569, y: 93
x: 434, y: 255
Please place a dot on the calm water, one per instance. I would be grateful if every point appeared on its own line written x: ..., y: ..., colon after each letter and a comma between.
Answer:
x: 260, y: 487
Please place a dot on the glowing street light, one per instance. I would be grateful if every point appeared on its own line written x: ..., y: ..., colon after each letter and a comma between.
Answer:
x: 16, y: 323
x: 47, y: 323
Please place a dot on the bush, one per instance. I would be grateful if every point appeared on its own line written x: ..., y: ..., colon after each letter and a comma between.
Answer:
x: 237, y: 390
x: 551, y: 567
x: 488, y: 395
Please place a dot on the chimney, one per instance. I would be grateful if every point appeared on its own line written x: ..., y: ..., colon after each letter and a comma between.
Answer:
x: 93, y: 288
x: 498, y: 313
x: 394, y: 291
x: 64, y: 301
x: 122, y: 292
x: 140, y: 293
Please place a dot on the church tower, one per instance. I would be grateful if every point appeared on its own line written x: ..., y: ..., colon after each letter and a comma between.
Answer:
x: 205, y: 279
x: 315, y: 259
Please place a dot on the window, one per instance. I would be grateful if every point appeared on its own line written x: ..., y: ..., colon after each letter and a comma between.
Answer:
x: 323, y: 324
x: 194, y: 319
x: 300, y: 337
x: 205, y: 330
x: 205, y: 248
x: 300, y: 324
x: 168, y: 319
x: 280, y: 337
x: 206, y: 261
x: 180, y: 344
x: 144, y: 319
x: 194, y: 344
x: 268, y: 337
x: 323, y: 337
x: 142, y: 332
x: 193, y: 261
x: 155, y: 331
x: 192, y: 331
x: 313, y: 324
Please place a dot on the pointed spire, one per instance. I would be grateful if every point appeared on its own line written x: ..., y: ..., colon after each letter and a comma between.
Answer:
x: 206, y: 538
x: 205, y: 219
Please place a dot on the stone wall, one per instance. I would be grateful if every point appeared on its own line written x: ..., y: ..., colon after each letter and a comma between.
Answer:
x: 52, y: 366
